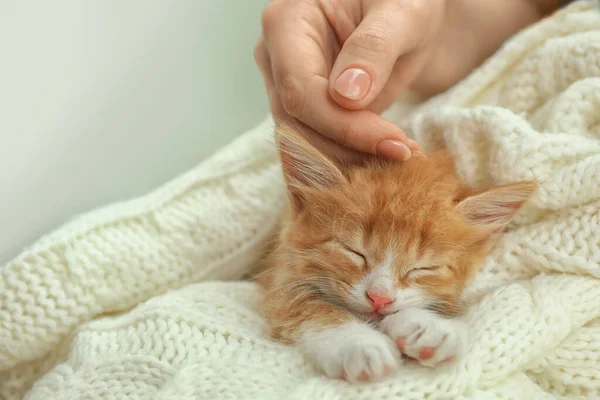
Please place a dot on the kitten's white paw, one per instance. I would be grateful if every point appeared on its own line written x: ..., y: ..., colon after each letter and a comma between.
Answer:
x: 353, y: 351
x: 426, y: 336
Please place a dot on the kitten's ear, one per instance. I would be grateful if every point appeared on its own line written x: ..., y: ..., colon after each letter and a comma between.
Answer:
x: 496, y: 207
x: 303, y: 165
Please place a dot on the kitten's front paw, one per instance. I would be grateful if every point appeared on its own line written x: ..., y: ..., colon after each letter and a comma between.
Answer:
x: 353, y: 351
x: 426, y: 336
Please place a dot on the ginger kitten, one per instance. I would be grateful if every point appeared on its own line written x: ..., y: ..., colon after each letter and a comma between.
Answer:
x: 371, y: 260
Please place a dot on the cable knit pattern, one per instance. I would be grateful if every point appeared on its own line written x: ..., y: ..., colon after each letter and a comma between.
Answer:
x: 132, y: 301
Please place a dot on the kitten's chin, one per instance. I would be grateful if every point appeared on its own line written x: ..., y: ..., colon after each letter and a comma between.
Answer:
x: 374, y: 316
x: 365, y: 315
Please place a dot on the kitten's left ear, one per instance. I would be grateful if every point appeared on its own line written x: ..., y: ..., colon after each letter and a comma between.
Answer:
x: 304, y: 167
x: 496, y: 207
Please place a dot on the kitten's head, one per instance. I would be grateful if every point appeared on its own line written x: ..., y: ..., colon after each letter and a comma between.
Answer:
x: 387, y: 235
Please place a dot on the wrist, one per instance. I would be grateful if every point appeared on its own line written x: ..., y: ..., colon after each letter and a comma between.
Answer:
x: 486, y: 24
x: 546, y: 7
x: 476, y: 29
x: 472, y: 31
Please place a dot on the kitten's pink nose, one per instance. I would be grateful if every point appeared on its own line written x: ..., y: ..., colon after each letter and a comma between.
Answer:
x: 379, y: 301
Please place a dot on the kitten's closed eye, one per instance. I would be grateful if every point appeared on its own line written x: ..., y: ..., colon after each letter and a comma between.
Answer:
x: 355, y: 256
x: 422, y: 271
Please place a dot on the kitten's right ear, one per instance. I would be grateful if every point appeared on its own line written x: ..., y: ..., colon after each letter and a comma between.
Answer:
x: 303, y: 165
x: 495, y: 208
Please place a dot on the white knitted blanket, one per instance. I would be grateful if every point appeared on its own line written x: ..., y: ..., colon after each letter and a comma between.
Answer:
x: 86, y: 313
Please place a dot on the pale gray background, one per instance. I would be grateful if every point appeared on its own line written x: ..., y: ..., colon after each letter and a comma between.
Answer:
x: 102, y: 101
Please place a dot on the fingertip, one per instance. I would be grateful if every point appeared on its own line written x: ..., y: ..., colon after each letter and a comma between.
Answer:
x: 393, y: 149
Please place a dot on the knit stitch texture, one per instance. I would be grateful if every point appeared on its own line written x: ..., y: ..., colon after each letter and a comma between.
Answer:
x: 140, y: 300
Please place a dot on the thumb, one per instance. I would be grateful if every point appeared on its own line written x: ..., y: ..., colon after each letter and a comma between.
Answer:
x: 388, y: 31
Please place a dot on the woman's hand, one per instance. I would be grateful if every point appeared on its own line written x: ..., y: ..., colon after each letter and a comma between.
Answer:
x: 334, y: 65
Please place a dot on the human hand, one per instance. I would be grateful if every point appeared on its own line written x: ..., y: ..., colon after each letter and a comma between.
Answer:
x: 333, y: 65
x: 307, y: 44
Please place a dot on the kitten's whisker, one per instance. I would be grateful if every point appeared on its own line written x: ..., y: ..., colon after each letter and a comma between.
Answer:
x: 298, y: 297
x: 345, y: 285
x: 282, y: 290
x: 285, y: 289
x: 289, y: 264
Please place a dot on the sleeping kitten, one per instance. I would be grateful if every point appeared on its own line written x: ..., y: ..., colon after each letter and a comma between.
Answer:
x: 371, y: 260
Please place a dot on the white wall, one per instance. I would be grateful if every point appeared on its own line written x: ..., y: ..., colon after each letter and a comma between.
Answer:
x: 101, y: 101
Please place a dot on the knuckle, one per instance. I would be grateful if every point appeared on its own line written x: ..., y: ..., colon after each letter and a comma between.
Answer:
x: 348, y: 134
x: 292, y: 97
x: 420, y: 10
x: 277, y: 111
x: 270, y: 15
x: 372, y: 40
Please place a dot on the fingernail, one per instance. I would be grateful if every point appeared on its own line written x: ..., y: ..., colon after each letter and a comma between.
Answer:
x: 353, y: 83
x: 394, y: 149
